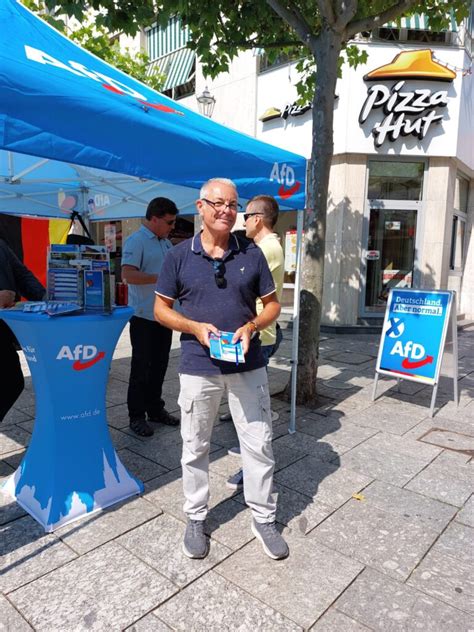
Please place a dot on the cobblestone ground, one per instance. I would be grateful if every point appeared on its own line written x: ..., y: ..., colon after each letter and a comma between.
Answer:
x: 375, y: 500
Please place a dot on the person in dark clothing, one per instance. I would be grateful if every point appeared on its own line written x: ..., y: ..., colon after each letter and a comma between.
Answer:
x: 142, y: 259
x: 15, y: 280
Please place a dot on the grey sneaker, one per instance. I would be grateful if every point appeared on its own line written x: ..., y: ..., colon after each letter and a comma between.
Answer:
x: 273, y: 544
x: 236, y: 481
x: 195, y: 544
x: 234, y: 451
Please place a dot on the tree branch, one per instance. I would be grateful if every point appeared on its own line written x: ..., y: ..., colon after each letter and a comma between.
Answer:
x: 251, y: 42
x: 348, y: 8
x: 374, y: 21
x: 280, y: 44
x: 293, y: 18
x: 326, y: 10
x: 254, y: 43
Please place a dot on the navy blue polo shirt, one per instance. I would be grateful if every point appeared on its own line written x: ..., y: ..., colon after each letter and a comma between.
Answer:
x: 188, y: 276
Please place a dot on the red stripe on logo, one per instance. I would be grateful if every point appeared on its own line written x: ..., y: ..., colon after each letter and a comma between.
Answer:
x: 80, y: 366
x: 287, y: 193
x: 112, y: 88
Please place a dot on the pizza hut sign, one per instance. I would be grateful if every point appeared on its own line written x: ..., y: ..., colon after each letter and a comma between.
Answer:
x: 406, y: 112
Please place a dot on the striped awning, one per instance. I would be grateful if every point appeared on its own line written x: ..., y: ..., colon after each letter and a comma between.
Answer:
x: 420, y: 21
x: 176, y: 66
x: 162, y: 40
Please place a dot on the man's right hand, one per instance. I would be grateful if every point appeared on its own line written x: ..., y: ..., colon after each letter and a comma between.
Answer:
x: 7, y: 298
x: 202, y: 331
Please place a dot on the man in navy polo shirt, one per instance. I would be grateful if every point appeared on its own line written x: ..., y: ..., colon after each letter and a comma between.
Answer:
x: 142, y: 258
x: 217, y: 278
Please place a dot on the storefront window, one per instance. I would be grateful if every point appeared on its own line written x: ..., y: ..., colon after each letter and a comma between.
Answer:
x: 275, y: 61
x: 456, y: 256
x: 461, y: 192
x: 395, y: 180
x: 390, y: 255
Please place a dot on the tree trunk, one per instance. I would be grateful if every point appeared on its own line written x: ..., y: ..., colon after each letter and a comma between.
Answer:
x: 326, y: 49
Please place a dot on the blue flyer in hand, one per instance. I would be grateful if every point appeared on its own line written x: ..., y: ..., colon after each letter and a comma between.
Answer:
x: 223, y: 349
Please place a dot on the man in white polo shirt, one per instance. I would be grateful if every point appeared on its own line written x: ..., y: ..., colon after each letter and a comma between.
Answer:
x: 142, y: 259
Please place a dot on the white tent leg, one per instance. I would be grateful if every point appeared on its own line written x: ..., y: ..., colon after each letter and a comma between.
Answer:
x: 296, y: 320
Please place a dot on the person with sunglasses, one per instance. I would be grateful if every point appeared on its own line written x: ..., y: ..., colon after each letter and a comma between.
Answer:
x: 142, y: 258
x: 260, y: 218
x: 217, y: 279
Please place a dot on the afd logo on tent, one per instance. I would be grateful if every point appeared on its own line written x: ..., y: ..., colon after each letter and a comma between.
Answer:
x: 82, y: 356
x: 109, y: 83
x: 285, y: 176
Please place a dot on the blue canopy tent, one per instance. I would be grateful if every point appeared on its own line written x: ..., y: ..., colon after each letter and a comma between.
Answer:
x: 74, y: 128
x: 61, y: 103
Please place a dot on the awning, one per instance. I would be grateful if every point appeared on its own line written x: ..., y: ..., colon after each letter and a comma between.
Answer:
x: 177, y: 67
x: 420, y: 21
x: 162, y: 40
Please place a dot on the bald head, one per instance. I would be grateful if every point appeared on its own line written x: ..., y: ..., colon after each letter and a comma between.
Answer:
x: 209, y: 185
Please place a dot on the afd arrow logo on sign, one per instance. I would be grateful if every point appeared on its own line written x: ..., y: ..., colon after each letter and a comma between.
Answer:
x: 285, y: 176
x: 413, y: 354
x: 414, y: 333
x: 82, y: 356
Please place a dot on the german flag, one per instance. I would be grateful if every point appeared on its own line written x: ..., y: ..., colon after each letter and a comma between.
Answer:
x: 29, y: 238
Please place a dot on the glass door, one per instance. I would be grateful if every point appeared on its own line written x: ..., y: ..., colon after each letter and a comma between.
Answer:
x: 390, y: 255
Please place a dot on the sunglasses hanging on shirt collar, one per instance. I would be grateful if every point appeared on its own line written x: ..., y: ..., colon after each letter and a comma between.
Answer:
x: 219, y: 273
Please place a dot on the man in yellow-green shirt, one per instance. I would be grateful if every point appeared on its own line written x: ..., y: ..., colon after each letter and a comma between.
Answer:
x: 260, y: 218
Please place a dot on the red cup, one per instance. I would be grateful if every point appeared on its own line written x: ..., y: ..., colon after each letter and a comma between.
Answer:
x: 121, y: 294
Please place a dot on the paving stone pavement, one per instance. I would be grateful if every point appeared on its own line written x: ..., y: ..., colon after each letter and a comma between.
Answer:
x: 375, y: 500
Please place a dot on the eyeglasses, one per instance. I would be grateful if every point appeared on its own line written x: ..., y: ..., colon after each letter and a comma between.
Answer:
x: 170, y: 222
x: 219, y: 272
x: 221, y: 206
x: 247, y: 215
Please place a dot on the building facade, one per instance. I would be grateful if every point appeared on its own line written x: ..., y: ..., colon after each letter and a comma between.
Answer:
x: 401, y: 192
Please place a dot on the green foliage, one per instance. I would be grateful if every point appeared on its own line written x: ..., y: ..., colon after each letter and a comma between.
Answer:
x: 222, y: 28
x: 95, y: 38
x: 97, y: 41
x: 306, y: 66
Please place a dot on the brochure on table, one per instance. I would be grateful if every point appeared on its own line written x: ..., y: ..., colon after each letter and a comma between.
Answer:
x: 80, y: 275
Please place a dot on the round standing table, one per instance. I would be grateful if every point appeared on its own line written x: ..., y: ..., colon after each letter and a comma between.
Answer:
x: 70, y: 468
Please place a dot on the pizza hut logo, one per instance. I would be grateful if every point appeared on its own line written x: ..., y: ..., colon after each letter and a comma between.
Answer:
x: 406, y: 112
x: 82, y: 356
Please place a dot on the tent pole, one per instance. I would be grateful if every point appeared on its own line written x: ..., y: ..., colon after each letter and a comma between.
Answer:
x: 11, y: 168
x: 83, y: 217
x: 29, y: 169
x: 296, y: 320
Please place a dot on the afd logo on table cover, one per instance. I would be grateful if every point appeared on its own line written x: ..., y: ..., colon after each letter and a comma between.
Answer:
x: 82, y: 356
x: 285, y: 176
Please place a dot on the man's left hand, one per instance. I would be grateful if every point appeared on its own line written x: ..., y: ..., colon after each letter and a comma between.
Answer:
x: 243, y: 334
